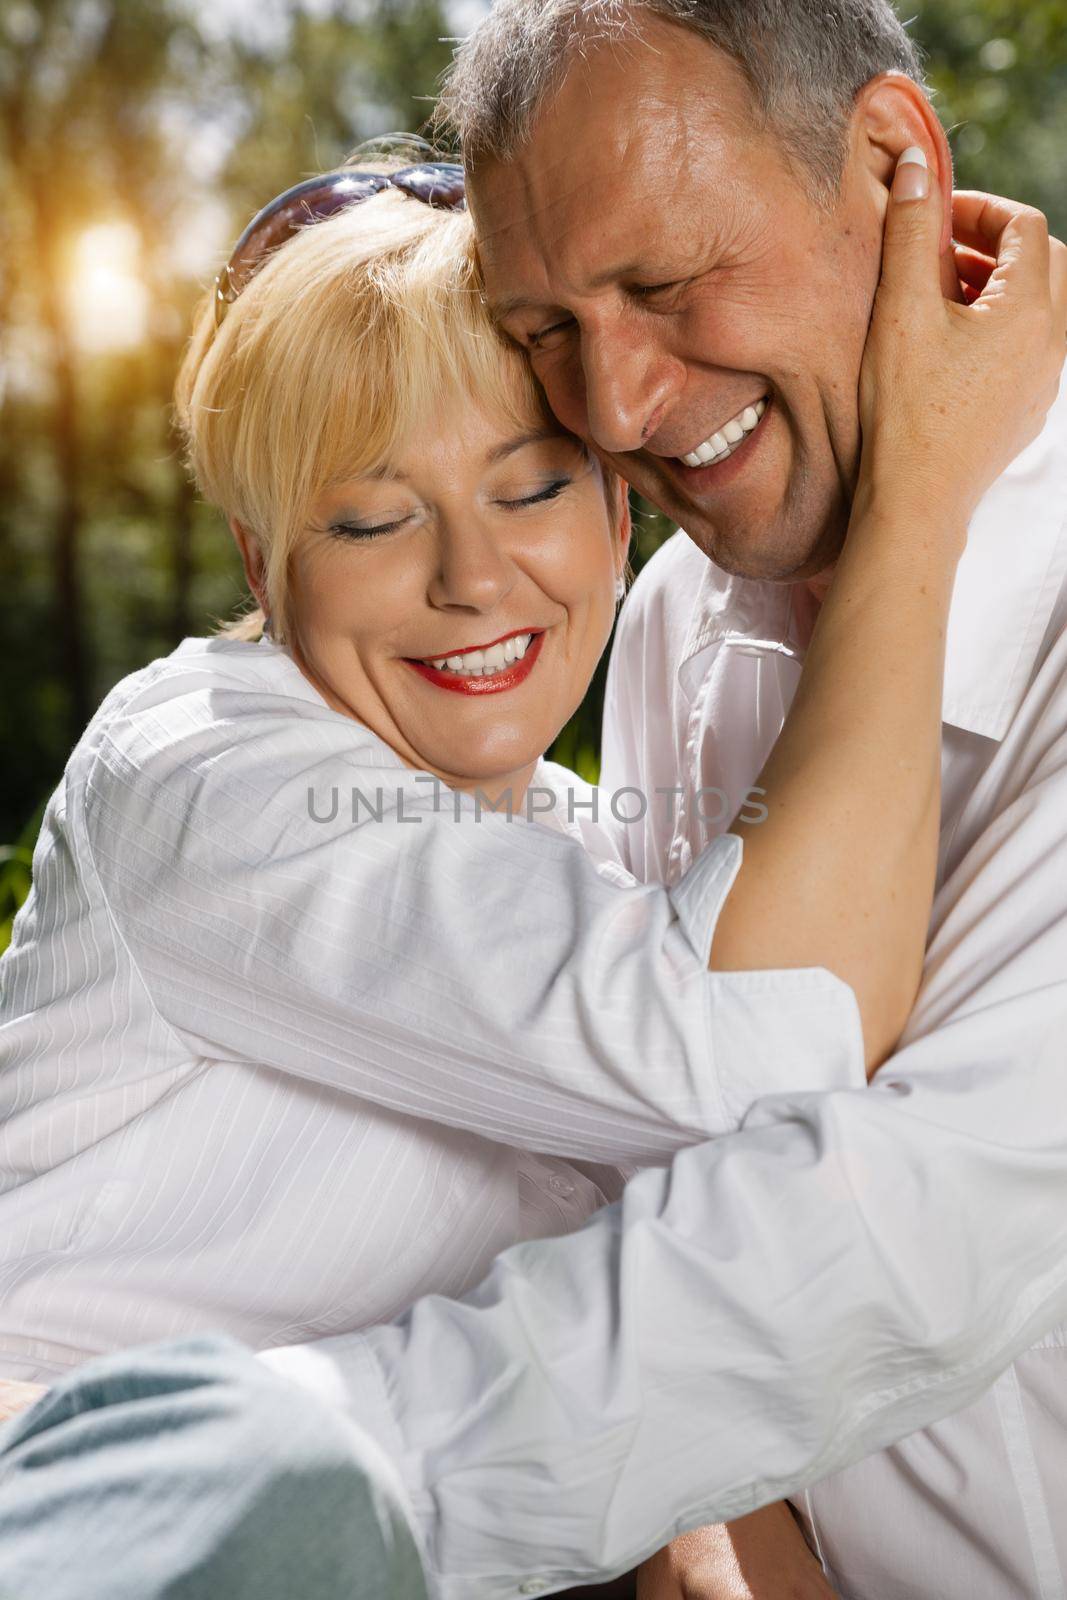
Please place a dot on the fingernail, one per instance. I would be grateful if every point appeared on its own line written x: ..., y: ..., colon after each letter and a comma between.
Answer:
x: 911, y: 181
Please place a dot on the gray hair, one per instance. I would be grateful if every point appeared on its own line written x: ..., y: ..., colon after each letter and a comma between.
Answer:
x: 804, y: 61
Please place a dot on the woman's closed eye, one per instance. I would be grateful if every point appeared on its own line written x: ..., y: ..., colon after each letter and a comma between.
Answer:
x: 367, y: 530
x: 372, y: 530
x: 549, y: 492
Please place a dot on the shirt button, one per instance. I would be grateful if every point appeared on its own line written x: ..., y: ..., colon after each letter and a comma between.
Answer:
x: 564, y: 1188
x: 533, y: 1586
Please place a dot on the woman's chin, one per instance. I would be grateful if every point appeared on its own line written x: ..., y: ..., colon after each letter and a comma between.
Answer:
x: 493, y: 775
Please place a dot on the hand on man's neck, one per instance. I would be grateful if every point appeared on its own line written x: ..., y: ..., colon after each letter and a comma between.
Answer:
x: 952, y: 289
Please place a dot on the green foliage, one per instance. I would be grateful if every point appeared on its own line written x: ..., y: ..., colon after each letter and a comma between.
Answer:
x: 15, y: 868
x: 998, y: 71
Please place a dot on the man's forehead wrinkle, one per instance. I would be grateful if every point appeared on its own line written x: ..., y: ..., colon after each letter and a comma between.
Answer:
x: 544, y: 189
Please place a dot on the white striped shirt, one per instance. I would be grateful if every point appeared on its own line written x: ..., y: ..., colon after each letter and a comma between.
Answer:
x: 279, y: 1072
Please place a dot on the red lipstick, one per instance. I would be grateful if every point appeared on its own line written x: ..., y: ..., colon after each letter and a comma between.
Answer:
x: 474, y: 683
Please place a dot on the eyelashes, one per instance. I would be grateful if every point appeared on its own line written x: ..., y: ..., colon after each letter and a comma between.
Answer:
x: 353, y: 531
x: 357, y: 532
x: 550, y: 493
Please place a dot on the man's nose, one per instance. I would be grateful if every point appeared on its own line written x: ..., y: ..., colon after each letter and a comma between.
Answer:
x: 472, y: 571
x: 628, y: 386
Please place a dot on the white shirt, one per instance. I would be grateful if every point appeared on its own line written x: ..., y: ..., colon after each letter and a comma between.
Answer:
x: 704, y: 670
x: 850, y: 1266
x: 273, y: 1070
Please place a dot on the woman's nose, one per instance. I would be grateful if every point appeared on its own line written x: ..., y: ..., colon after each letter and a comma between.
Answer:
x: 473, y: 572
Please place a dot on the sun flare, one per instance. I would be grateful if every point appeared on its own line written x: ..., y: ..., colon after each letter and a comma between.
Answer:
x: 107, y: 298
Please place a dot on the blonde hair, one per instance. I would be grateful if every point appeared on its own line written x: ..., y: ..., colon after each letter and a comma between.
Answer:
x: 348, y: 337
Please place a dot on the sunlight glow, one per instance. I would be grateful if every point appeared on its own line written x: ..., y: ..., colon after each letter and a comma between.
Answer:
x: 107, y: 299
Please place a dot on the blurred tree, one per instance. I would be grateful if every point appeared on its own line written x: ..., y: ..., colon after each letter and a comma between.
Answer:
x: 78, y: 142
x: 342, y: 74
x: 998, y: 69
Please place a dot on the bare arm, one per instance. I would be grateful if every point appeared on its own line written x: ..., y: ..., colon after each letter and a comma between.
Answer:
x: 763, y: 1556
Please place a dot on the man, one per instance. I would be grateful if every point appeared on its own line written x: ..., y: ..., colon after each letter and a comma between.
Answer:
x: 679, y: 207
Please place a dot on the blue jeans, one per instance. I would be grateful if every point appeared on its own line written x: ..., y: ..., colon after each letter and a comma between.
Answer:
x: 190, y: 1470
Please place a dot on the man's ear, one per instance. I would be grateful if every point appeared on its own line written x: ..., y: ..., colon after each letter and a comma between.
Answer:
x: 251, y: 560
x: 891, y: 113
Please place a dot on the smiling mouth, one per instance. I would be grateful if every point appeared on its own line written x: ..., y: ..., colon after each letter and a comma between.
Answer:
x: 728, y: 438
x: 482, y: 661
x: 483, y: 669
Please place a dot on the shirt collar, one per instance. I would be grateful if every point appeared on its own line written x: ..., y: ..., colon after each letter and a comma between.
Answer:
x: 1007, y: 582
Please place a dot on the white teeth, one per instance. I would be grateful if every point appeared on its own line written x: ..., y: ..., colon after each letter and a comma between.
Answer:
x: 483, y: 663
x: 722, y: 443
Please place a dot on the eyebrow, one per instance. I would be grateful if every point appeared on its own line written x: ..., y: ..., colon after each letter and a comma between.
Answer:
x: 534, y: 436
x: 499, y: 452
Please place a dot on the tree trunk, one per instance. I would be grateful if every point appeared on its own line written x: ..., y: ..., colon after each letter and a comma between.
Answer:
x: 67, y: 602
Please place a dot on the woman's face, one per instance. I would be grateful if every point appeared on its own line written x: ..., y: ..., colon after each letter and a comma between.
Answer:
x: 458, y: 600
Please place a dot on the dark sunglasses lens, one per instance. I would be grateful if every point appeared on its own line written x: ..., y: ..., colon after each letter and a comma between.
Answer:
x: 311, y: 201
x: 438, y: 183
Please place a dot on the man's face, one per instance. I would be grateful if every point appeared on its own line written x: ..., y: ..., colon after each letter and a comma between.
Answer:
x: 665, y: 270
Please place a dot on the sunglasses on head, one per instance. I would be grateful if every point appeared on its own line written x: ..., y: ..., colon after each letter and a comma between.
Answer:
x: 436, y: 183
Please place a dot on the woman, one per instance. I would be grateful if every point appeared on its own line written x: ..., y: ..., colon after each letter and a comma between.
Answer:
x: 296, y: 1026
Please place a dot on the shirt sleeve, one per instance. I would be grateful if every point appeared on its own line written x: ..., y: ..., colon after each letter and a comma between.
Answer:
x: 846, y: 1268
x: 289, y: 902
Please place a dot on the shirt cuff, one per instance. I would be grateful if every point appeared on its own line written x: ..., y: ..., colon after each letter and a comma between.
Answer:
x: 698, y: 896
x: 772, y: 1030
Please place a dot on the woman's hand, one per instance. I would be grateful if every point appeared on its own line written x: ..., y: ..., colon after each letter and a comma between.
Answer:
x: 759, y: 1557
x: 950, y: 393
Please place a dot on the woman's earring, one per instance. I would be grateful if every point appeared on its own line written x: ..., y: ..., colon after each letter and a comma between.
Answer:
x: 266, y: 627
x: 620, y: 588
